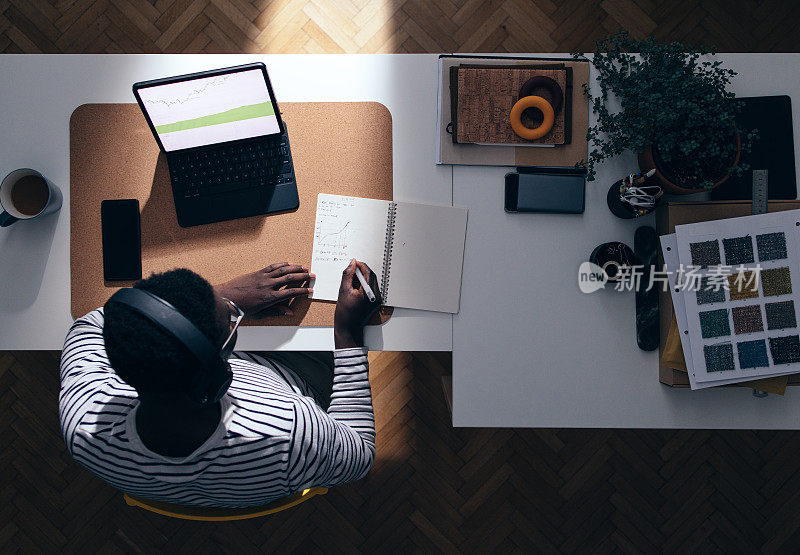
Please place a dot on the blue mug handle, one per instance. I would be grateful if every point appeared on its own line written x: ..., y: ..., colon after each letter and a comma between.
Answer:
x: 7, y: 219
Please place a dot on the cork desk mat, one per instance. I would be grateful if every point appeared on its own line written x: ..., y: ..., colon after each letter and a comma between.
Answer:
x: 342, y: 148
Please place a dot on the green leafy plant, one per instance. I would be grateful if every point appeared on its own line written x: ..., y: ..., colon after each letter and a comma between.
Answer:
x: 671, y: 98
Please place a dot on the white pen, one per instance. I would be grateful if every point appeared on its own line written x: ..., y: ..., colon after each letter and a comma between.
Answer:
x: 365, y: 285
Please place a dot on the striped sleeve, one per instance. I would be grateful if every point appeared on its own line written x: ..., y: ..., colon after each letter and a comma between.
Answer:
x: 337, y: 447
x: 84, y: 372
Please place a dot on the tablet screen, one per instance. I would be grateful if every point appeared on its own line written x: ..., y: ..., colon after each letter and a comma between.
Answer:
x: 211, y: 110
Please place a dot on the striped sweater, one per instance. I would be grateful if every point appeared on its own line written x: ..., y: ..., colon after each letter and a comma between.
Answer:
x: 273, y: 439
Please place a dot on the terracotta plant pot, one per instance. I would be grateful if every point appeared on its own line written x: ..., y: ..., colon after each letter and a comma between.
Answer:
x: 647, y: 162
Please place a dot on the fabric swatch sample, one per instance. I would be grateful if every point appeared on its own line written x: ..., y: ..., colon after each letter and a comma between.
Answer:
x: 752, y: 354
x: 705, y: 253
x: 780, y: 315
x: 743, y: 285
x: 771, y: 246
x: 714, y: 323
x: 785, y: 350
x: 738, y: 250
x: 777, y: 281
x: 747, y: 319
x: 719, y: 358
x: 709, y: 292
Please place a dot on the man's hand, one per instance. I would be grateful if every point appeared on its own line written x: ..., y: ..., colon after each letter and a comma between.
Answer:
x: 259, y: 294
x: 353, y: 308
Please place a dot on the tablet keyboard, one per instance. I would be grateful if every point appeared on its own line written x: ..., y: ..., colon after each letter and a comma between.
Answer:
x: 212, y: 171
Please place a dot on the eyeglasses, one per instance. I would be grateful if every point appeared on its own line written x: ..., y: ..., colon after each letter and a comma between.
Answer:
x: 236, y: 315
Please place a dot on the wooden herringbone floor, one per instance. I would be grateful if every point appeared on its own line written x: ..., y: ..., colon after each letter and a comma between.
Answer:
x: 432, y: 488
x: 278, y: 26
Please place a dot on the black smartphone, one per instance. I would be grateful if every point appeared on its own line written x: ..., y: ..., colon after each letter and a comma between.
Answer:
x: 122, y: 244
x: 545, y: 192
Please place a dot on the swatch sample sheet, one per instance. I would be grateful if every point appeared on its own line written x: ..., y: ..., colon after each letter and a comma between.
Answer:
x: 669, y: 249
x: 740, y: 284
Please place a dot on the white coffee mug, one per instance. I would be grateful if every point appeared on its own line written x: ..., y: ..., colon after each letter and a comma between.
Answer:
x: 26, y: 194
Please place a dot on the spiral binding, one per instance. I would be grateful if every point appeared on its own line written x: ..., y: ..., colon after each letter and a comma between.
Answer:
x: 387, y: 250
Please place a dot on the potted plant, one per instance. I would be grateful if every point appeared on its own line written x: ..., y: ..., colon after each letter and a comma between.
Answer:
x: 672, y: 109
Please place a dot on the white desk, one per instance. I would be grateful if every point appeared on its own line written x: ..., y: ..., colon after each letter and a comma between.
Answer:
x: 529, y: 349
x: 38, y: 94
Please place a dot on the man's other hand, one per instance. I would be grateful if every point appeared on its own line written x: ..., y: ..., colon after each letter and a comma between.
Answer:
x: 353, y: 308
x: 267, y: 292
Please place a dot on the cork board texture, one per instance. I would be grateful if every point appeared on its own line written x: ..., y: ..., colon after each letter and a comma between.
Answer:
x: 567, y: 155
x: 485, y: 99
x: 342, y: 148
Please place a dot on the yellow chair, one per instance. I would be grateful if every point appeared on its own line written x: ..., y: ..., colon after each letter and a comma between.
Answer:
x: 213, y: 514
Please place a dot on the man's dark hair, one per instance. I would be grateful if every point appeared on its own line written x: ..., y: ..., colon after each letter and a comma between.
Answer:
x: 148, y: 358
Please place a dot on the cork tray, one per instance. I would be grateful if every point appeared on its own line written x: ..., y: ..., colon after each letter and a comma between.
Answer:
x: 486, y: 96
x: 342, y: 148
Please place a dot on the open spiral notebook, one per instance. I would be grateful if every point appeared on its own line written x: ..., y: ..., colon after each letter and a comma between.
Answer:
x: 416, y: 250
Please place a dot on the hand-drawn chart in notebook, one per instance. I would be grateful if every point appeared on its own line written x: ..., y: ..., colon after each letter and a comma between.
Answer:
x: 346, y: 228
x: 742, y: 309
x: 334, y: 240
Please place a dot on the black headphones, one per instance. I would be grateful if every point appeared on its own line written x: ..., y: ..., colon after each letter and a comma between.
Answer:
x: 215, y: 376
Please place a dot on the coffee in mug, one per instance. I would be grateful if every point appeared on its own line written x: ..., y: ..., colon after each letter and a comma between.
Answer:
x: 29, y: 195
x: 26, y: 194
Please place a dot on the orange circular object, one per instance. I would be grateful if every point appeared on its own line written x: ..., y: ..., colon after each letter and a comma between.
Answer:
x: 532, y: 102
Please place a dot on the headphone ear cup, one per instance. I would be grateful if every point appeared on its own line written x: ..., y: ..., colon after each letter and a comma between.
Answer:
x: 210, y: 389
x: 220, y: 384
